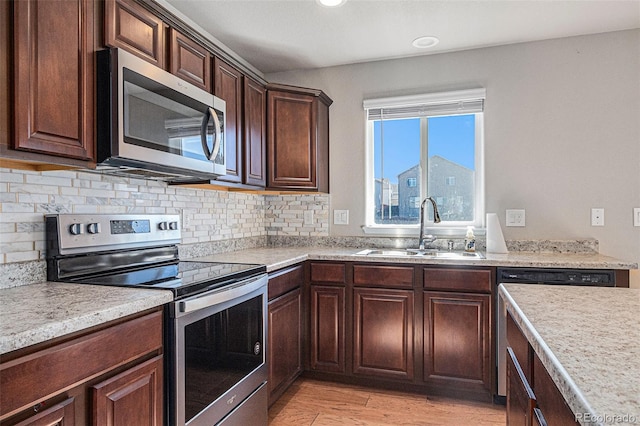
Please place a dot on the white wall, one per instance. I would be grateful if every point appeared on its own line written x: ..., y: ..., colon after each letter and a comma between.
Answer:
x: 562, y: 130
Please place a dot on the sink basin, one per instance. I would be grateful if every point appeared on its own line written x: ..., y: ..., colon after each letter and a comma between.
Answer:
x: 388, y: 252
x: 424, y: 254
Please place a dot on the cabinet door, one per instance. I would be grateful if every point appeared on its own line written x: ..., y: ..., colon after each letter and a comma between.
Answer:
x: 190, y: 61
x: 327, y: 344
x: 54, y: 77
x: 228, y: 86
x: 292, y: 142
x: 133, y: 397
x: 383, y: 333
x: 131, y: 27
x: 285, y: 342
x: 61, y: 414
x: 255, y: 133
x: 520, y: 398
x: 550, y: 401
x: 457, y: 340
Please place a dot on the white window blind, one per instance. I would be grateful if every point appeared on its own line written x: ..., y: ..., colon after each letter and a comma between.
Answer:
x: 426, y: 105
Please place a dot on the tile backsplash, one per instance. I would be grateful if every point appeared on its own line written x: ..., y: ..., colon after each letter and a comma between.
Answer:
x: 212, y: 221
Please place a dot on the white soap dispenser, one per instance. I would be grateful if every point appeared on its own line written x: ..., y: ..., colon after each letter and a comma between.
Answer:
x: 470, y: 241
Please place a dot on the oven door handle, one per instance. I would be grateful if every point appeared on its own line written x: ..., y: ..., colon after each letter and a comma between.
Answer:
x: 225, y: 294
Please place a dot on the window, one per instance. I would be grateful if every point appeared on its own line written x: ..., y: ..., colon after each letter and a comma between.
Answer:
x: 434, y: 144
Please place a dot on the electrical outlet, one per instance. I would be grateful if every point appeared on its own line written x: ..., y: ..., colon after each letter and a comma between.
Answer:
x: 515, y: 217
x: 341, y: 217
x: 597, y: 217
x: 636, y: 216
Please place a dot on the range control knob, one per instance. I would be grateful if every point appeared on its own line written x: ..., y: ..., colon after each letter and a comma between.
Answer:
x: 163, y: 226
x: 93, y: 228
x: 76, y: 229
x: 173, y: 225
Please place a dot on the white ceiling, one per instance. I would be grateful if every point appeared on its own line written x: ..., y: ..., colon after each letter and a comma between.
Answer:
x: 281, y: 35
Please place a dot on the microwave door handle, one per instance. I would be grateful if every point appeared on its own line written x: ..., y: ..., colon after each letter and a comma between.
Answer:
x: 217, y: 141
x: 211, y: 154
x: 203, y: 135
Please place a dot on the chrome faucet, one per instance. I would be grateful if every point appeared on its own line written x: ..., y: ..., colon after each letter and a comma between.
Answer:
x: 436, y: 219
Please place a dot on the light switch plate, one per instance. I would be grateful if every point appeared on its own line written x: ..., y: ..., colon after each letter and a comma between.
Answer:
x: 341, y: 217
x: 636, y: 216
x: 597, y: 217
x: 515, y: 217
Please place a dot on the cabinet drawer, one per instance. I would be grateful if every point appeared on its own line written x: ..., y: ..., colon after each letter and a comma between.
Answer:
x: 521, y: 400
x: 383, y: 276
x: 37, y: 376
x: 329, y: 273
x: 280, y: 282
x: 466, y: 280
x: 550, y: 401
x: 520, y: 346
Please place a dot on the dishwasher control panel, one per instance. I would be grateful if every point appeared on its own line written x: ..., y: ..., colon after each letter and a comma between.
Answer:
x: 595, y: 277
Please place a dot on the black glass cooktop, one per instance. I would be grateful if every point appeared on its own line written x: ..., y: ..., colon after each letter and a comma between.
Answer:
x: 184, y: 278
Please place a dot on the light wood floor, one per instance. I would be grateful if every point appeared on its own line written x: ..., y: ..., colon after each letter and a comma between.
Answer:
x: 311, y: 402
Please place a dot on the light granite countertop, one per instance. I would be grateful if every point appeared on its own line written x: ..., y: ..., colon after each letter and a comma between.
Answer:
x: 280, y: 257
x: 36, y: 313
x: 588, y: 338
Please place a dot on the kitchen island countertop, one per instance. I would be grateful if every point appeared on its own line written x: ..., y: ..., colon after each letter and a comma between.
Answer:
x: 588, y: 339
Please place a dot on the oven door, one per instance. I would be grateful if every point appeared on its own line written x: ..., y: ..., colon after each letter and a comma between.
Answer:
x: 218, y: 360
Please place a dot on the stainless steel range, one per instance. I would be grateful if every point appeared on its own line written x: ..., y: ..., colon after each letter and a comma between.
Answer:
x: 215, y: 328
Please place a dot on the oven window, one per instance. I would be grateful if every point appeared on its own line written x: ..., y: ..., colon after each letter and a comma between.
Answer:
x: 220, y: 351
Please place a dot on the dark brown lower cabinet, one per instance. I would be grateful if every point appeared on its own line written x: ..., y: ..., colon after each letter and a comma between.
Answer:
x: 550, y: 401
x: 521, y: 401
x: 62, y: 414
x: 383, y: 333
x: 133, y: 397
x: 457, y: 344
x: 327, y: 344
x: 285, y: 342
x: 111, y: 375
x: 532, y: 396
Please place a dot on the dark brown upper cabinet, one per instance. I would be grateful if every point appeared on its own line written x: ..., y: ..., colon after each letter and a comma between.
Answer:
x: 298, y: 138
x: 190, y: 61
x: 228, y: 86
x: 245, y: 124
x: 255, y: 133
x: 53, y: 76
x: 131, y: 27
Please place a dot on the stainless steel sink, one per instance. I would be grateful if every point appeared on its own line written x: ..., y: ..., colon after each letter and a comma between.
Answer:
x: 387, y: 252
x: 424, y: 254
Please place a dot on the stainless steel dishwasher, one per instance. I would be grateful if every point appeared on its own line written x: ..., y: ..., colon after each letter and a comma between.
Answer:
x: 584, y: 277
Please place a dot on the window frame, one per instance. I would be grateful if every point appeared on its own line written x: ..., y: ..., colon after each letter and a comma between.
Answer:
x: 447, y: 228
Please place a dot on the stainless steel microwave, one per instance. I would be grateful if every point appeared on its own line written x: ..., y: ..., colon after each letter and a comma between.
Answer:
x: 152, y: 124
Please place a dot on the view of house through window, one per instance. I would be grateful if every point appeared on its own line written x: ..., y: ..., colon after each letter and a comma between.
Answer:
x: 417, y: 154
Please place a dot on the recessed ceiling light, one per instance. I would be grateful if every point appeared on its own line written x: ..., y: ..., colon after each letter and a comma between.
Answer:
x: 331, y: 3
x: 425, y: 42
